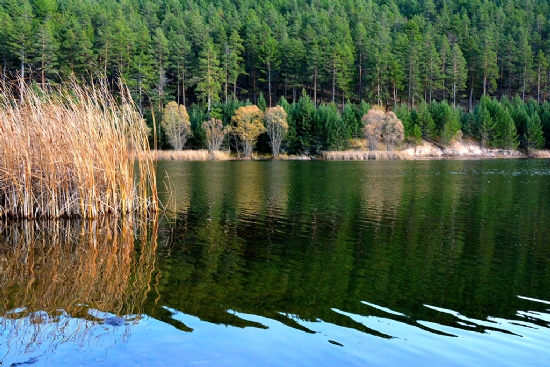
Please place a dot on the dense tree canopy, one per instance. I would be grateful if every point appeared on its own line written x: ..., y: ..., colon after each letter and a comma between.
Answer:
x: 344, y: 52
x: 383, y: 51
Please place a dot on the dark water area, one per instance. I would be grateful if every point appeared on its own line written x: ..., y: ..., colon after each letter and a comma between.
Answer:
x: 413, y: 263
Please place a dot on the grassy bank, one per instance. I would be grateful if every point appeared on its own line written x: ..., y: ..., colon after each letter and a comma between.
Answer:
x: 70, y: 151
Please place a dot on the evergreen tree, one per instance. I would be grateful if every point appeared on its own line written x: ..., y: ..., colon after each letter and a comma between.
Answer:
x: 425, y: 121
x: 485, y: 125
x: 456, y: 72
x: 46, y: 47
x: 533, y: 136
x: 209, y: 86
x: 507, y: 132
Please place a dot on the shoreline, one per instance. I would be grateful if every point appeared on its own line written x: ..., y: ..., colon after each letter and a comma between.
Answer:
x: 463, y: 150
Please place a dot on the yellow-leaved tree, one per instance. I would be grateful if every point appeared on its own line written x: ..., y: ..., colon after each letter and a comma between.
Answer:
x: 277, y: 127
x: 247, y: 125
x: 176, y: 125
x: 215, y: 133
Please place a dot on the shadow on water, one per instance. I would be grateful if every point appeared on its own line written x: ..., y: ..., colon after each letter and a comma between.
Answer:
x: 72, y: 282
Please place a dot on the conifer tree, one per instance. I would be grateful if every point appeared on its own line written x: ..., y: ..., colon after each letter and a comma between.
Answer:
x: 533, y: 136
x: 457, y: 72
x: 209, y: 85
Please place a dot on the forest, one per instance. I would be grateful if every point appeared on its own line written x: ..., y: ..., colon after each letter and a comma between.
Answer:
x: 431, y: 61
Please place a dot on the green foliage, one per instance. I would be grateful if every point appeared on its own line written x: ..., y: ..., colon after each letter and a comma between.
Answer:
x: 416, y: 134
x: 388, y: 53
x: 335, y: 133
x: 533, y: 136
x: 425, y: 121
x: 262, y: 105
x: 506, y: 129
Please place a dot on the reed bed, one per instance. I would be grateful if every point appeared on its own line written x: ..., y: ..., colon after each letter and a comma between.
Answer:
x: 190, y: 155
x: 533, y: 153
x: 70, y: 151
x: 59, y: 273
x: 364, y: 155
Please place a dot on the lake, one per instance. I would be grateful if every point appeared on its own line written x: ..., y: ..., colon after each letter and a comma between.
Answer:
x: 273, y: 263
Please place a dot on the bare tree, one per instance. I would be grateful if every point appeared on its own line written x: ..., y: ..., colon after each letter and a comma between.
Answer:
x: 392, y: 131
x: 176, y: 125
x: 373, y: 123
x: 277, y: 127
x: 215, y: 133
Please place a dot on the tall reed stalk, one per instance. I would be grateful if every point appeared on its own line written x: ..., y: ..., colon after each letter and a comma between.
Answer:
x: 71, y: 151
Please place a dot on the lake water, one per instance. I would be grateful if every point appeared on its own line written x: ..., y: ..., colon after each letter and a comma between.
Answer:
x: 417, y: 263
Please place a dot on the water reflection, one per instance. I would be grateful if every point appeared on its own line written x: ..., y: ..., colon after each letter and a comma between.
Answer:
x: 300, y: 263
x: 71, y: 282
x: 295, y: 242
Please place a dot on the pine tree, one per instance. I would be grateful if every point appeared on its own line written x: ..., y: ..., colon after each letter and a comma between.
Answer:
x: 233, y: 62
x: 269, y: 56
x: 507, y: 132
x: 486, y: 126
x: 542, y: 67
x: 5, y: 32
x: 431, y: 70
x: 425, y: 121
x: 179, y: 53
x: 21, y: 39
x: 209, y: 86
x: 488, y: 62
x: 47, y: 47
x: 162, y: 52
x: 533, y: 136
x: 457, y: 72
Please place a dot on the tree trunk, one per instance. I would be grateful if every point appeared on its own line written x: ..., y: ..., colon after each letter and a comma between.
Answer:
x: 183, y: 85
x: 269, y: 81
x: 454, y: 95
x: 538, y: 85
x: 333, y: 83
x: 360, y: 75
x: 314, y: 87
x: 226, y: 71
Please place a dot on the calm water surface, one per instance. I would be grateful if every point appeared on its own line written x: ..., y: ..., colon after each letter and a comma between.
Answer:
x: 426, y: 263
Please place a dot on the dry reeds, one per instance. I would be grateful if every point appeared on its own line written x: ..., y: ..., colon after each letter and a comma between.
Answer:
x: 191, y: 155
x: 364, y: 155
x: 70, y: 152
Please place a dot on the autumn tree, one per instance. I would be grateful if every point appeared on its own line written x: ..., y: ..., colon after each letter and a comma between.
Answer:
x: 176, y: 125
x: 392, y: 130
x: 247, y: 125
x: 276, y: 126
x: 215, y: 133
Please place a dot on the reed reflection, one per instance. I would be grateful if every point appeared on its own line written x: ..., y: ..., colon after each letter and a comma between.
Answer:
x: 60, y: 280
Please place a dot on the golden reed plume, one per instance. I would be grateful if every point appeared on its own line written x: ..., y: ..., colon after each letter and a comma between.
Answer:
x: 71, y: 151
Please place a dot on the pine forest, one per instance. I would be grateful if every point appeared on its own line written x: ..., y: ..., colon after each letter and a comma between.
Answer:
x: 474, y: 68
